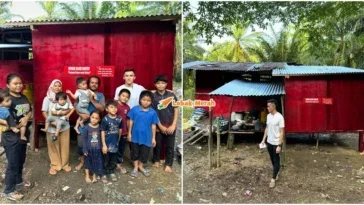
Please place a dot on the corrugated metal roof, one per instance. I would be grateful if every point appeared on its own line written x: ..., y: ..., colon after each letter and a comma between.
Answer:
x: 8, y: 45
x: 163, y: 17
x: 229, y: 66
x: 315, y: 70
x: 246, y: 88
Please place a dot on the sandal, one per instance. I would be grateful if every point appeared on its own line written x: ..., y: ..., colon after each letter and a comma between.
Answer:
x: 13, y: 196
x: 134, y: 173
x: 67, y: 169
x: 52, y: 171
x: 146, y: 173
x: 272, y: 184
x: 123, y: 170
x: 104, y: 179
x: 113, y: 177
x: 26, y: 185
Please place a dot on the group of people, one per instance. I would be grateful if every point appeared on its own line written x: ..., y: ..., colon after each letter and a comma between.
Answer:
x: 132, y: 118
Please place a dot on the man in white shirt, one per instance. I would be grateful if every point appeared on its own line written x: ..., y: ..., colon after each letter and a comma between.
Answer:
x: 135, y: 89
x: 275, y: 133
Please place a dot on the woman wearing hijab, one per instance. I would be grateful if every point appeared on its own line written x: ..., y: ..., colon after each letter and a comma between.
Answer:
x: 58, y: 150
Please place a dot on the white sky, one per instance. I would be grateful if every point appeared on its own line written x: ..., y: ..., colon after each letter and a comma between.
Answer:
x: 27, y: 9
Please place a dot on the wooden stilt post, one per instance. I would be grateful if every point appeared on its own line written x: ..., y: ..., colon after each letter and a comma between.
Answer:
x: 284, y: 146
x: 230, y: 141
x: 317, y: 140
x: 210, y: 137
x: 218, y: 143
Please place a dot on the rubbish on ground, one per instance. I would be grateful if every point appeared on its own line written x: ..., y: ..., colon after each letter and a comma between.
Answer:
x: 130, y: 182
x: 79, y: 191
x: 248, y: 192
x: 179, y: 197
x: 340, y: 176
x: 65, y: 188
x: 151, y: 201
x: 205, y: 201
x: 161, y: 190
x: 224, y: 194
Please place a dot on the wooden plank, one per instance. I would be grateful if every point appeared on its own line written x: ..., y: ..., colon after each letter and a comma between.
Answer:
x: 237, y: 132
x: 194, y: 136
x: 197, y: 140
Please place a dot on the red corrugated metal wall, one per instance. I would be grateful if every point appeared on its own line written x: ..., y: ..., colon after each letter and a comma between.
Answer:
x: 344, y: 114
x: 148, y: 47
x: 22, y: 67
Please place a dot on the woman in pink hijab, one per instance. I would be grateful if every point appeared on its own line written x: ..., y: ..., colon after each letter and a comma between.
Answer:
x: 58, y: 150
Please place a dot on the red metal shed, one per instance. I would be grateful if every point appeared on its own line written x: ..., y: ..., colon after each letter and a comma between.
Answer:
x: 146, y: 44
x: 317, y: 98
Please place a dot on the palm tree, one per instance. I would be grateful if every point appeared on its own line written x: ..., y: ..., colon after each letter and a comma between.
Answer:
x: 288, y: 45
x: 236, y: 50
x: 5, y: 13
x: 163, y: 7
x: 88, y: 9
x: 50, y: 7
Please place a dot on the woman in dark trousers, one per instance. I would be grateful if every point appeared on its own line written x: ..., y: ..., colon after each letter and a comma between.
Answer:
x: 15, y: 149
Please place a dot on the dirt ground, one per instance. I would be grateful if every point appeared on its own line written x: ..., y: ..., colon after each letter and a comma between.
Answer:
x: 331, y: 174
x: 159, y: 188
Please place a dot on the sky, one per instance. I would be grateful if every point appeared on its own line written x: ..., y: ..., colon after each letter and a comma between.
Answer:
x: 27, y: 9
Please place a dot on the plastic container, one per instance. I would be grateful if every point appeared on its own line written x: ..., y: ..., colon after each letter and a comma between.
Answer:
x: 28, y: 92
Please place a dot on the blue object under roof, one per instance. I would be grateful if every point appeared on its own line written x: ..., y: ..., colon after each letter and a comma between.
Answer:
x: 246, y: 88
x: 314, y: 70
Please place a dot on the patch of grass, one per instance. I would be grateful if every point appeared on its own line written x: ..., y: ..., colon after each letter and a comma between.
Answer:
x: 188, y: 93
x: 187, y: 112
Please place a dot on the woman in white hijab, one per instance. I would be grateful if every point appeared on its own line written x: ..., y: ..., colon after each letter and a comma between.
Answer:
x: 58, y: 150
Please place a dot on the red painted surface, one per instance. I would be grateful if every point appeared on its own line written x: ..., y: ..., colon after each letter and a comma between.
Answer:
x: 148, y: 47
x: 343, y: 114
x: 23, y: 68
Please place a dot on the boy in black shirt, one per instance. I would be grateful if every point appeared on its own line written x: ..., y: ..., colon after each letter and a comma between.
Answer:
x: 167, y: 114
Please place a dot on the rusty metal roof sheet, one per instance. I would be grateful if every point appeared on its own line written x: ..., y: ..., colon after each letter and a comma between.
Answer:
x: 166, y: 17
x: 229, y: 66
x: 315, y: 70
x: 246, y: 88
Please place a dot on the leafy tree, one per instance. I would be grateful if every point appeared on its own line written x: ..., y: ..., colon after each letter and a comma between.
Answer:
x: 236, y: 50
x: 51, y: 8
x: 5, y: 13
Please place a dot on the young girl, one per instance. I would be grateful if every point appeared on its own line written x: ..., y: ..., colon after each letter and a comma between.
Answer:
x: 60, y: 106
x: 92, y: 147
x: 142, y: 130
x: 20, y: 110
x: 82, y: 95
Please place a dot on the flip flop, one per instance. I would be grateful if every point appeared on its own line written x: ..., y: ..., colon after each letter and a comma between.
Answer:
x: 67, y: 169
x: 26, y: 185
x: 134, y: 173
x: 113, y: 177
x: 123, y: 170
x: 13, y: 196
x: 52, y: 171
x: 146, y: 173
x: 104, y: 179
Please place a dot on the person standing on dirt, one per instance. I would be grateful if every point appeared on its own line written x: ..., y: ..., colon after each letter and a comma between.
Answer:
x: 275, y: 133
x: 93, y: 84
x: 135, y: 89
x: 16, y: 150
x: 168, y: 116
x: 58, y: 150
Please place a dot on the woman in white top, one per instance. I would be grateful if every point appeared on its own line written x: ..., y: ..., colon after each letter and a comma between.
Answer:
x: 58, y: 150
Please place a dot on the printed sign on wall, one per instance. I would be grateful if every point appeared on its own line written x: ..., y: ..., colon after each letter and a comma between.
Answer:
x: 312, y: 100
x: 78, y: 70
x: 327, y: 101
x: 105, y: 71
